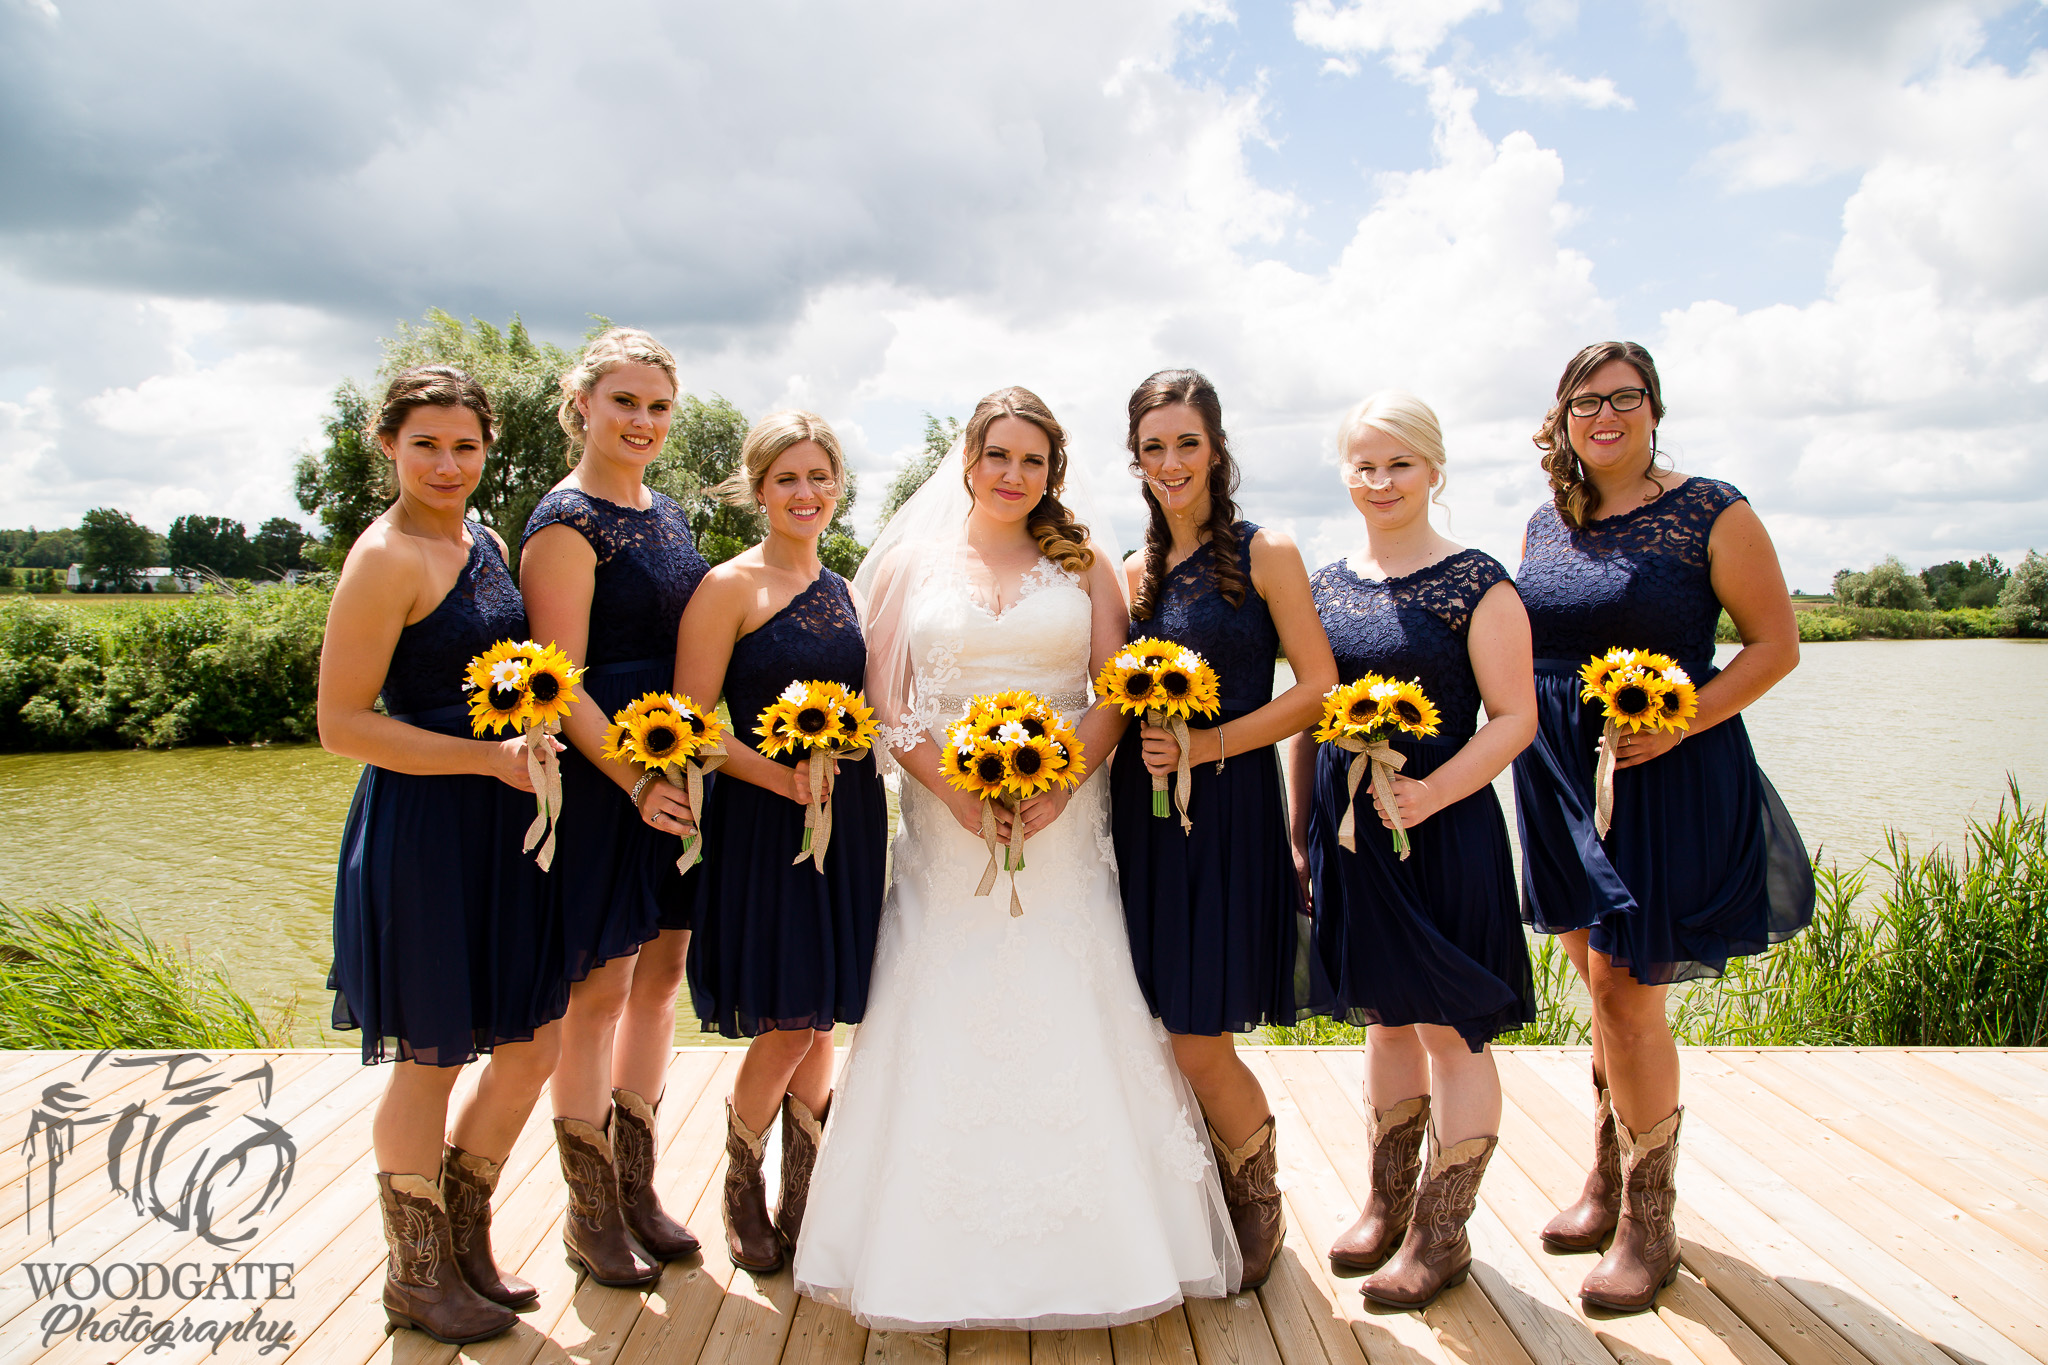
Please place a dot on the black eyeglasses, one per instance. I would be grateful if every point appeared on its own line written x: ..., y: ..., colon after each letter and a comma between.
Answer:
x: 1621, y: 400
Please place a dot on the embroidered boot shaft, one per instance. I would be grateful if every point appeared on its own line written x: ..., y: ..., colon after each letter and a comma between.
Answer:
x: 423, y: 1287
x: 467, y: 1183
x: 594, y: 1234
x: 1644, y: 1257
x: 1436, y: 1254
x: 633, y: 1126
x: 1251, y: 1191
x: 1584, y: 1225
x: 1395, y: 1135
x: 801, y: 1134
x: 749, y: 1233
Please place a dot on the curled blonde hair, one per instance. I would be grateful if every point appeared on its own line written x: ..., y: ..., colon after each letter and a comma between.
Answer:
x: 766, y: 441
x: 1060, y: 538
x: 607, y: 351
x: 1408, y: 420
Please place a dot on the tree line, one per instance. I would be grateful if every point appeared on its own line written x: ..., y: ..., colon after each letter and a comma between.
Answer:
x: 2019, y: 594
x: 115, y: 549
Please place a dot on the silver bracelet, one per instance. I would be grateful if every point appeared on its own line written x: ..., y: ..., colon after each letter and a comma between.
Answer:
x: 640, y: 787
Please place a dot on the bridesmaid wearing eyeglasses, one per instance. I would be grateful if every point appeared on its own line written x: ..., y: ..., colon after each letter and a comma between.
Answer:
x: 1701, y: 863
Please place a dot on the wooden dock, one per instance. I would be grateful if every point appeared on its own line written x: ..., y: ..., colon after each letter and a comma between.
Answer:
x: 1836, y: 1207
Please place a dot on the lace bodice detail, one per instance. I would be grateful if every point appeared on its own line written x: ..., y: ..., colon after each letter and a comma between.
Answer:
x: 432, y: 654
x: 815, y: 638
x: 647, y: 567
x: 1239, y: 642
x: 1636, y: 580
x: 1411, y: 627
x: 959, y: 649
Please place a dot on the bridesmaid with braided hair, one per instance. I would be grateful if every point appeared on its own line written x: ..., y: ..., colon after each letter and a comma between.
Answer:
x: 1218, y: 929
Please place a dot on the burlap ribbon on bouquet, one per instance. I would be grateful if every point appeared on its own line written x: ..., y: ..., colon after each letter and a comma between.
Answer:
x: 1012, y: 857
x: 1183, y: 780
x: 689, y: 775
x: 544, y: 770
x: 1384, y: 762
x: 1603, y: 780
x: 818, y: 814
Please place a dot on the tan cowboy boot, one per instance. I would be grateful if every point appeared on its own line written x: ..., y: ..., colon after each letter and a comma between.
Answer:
x: 1436, y: 1254
x: 633, y: 1145
x: 467, y: 1183
x: 1584, y: 1225
x: 423, y: 1288
x: 1395, y: 1135
x: 1251, y: 1191
x: 750, y: 1238
x: 801, y: 1134
x: 1644, y: 1257
x: 595, y: 1234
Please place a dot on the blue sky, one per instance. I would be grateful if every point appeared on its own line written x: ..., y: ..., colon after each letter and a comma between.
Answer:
x: 1822, y: 217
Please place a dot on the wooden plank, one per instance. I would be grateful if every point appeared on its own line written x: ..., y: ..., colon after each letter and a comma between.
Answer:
x: 904, y: 1348
x: 1160, y: 1340
x: 1290, y: 1316
x: 1812, y: 1252
x: 995, y: 1348
x: 1230, y: 1331
x: 1086, y: 1346
x: 824, y: 1335
x: 2005, y: 1074
x: 1932, y: 1072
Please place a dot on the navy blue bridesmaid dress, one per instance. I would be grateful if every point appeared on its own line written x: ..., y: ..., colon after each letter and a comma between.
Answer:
x: 780, y: 945
x: 1219, y: 935
x: 1434, y: 939
x: 615, y: 875
x: 1702, y: 863
x: 445, y: 942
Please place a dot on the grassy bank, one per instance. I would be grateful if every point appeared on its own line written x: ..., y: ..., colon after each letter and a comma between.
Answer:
x: 1938, y: 949
x: 77, y: 979
x: 207, y: 669
x: 1819, y: 624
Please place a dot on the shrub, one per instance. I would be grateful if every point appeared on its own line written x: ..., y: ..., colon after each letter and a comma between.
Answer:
x: 2023, y: 601
x: 1886, y: 584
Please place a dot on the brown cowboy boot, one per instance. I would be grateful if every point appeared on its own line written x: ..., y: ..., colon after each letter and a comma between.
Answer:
x: 1644, y: 1257
x: 750, y: 1238
x: 1584, y: 1225
x: 1251, y: 1191
x: 801, y: 1134
x: 423, y: 1288
x: 1396, y: 1138
x: 1436, y: 1254
x: 594, y: 1234
x: 467, y: 1183
x: 633, y: 1144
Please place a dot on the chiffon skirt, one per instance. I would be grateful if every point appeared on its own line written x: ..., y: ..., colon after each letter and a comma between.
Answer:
x: 445, y: 940
x: 615, y: 875
x: 1434, y: 939
x: 1702, y: 863
x: 782, y: 946
x: 1219, y: 935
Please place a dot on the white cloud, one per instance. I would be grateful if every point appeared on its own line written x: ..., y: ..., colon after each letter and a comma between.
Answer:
x: 1407, y: 31
x: 1530, y: 77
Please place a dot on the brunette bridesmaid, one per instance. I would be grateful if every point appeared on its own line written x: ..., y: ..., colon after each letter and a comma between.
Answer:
x: 783, y: 949
x: 1219, y: 935
x: 607, y: 567
x: 445, y: 944
x: 1427, y: 952
x: 1702, y: 862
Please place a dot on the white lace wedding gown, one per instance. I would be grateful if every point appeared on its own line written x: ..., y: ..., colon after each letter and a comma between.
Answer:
x: 1011, y: 1144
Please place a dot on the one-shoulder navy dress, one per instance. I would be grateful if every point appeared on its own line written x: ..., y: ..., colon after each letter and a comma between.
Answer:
x: 445, y: 941
x: 614, y: 874
x: 781, y: 945
x: 1219, y: 935
x: 1703, y: 862
x: 1435, y: 939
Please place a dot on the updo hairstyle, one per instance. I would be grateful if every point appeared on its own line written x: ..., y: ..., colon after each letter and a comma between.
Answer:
x: 766, y: 441
x: 425, y: 386
x: 1408, y: 420
x: 606, y: 352
x: 1060, y: 538
x: 1226, y: 557
x: 1568, y: 485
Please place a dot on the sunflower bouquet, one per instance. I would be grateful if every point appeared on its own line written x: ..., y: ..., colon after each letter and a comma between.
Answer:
x: 676, y: 738
x: 1636, y: 690
x: 1008, y: 748
x: 1362, y: 717
x: 829, y: 720
x: 1165, y: 683
x: 527, y: 688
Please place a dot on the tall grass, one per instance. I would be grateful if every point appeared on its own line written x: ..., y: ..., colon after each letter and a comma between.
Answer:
x: 77, y: 979
x: 1953, y: 952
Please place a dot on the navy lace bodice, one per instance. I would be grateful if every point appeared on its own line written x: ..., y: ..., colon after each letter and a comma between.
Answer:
x: 1239, y: 642
x: 433, y: 653
x: 1411, y: 627
x: 816, y: 638
x: 1636, y: 580
x: 647, y: 567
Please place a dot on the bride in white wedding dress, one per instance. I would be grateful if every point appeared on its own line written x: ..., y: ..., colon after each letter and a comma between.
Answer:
x: 1011, y: 1144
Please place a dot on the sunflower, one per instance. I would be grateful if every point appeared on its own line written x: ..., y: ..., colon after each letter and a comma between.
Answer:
x: 1013, y: 700
x: 701, y: 727
x: 1031, y: 767
x: 551, y: 681
x: 1409, y: 708
x: 659, y: 736
x: 988, y: 724
x: 981, y: 771
x: 778, y: 727
x: 857, y: 728
x: 1636, y: 700
x: 1681, y: 702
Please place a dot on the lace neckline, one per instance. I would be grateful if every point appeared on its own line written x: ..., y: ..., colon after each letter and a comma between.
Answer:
x: 1036, y: 578
x: 1663, y: 499
x: 1391, y: 579
x: 653, y: 502
x: 786, y: 607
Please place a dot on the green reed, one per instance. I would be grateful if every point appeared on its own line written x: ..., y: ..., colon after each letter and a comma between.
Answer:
x: 78, y: 979
x: 1953, y: 952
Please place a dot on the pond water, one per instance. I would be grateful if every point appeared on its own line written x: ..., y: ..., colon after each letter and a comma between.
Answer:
x: 230, y: 851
